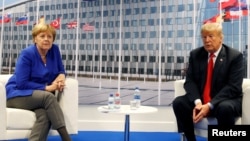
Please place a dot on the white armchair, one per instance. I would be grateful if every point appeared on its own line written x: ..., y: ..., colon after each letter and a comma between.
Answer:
x: 17, y: 123
x: 202, y: 126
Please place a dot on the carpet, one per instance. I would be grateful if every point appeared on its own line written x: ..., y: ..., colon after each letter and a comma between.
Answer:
x: 119, y: 136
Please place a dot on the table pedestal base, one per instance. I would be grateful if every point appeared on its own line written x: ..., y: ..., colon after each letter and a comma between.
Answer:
x: 126, y: 130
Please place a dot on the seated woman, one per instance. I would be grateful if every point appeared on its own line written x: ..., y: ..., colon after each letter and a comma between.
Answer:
x: 39, y: 73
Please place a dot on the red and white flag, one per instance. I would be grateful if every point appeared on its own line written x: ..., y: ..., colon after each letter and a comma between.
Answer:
x: 71, y: 25
x: 89, y: 26
x: 223, y: 4
x: 56, y: 23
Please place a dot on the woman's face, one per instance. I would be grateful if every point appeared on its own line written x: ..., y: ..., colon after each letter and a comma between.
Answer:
x: 44, y: 40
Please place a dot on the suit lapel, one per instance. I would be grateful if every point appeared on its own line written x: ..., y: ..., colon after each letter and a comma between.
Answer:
x: 221, y: 59
x: 203, y: 69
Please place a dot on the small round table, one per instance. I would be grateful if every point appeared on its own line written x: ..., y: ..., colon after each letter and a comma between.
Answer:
x: 125, y: 109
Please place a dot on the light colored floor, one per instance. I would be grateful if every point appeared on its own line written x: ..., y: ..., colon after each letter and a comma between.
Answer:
x: 90, y: 119
x: 93, y: 91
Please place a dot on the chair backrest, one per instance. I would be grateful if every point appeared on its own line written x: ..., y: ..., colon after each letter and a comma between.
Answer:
x: 4, y: 78
x: 179, y: 90
x: 245, y: 84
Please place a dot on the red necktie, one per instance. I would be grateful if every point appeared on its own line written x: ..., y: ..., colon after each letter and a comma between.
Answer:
x: 207, y: 89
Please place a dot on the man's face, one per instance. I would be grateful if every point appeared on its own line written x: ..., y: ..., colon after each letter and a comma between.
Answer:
x: 212, y: 40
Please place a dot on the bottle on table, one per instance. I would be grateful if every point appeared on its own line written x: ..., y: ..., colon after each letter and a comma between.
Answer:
x: 137, y: 97
x: 111, y: 101
x: 117, y: 101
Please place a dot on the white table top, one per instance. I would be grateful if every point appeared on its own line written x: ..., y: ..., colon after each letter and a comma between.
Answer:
x: 125, y: 109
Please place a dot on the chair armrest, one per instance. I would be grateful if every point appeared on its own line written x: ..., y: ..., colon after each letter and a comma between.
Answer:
x: 69, y: 105
x: 178, y: 88
x: 245, y: 106
x: 2, y: 112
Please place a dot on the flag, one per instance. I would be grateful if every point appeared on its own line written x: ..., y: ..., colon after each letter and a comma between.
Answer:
x: 22, y: 20
x: 215, y: 19
x: 238, y: 10
x: 89, y: 26
x: 5, y: 19
x: 236, y: 14
x: 223, y: 4
x: 56, y: 23
x: 71, y: 25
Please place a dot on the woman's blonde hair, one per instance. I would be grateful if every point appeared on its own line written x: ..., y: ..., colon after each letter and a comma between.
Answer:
x: 43, y: 27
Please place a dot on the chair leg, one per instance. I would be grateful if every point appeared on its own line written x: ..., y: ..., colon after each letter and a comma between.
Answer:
x: 183, y: 137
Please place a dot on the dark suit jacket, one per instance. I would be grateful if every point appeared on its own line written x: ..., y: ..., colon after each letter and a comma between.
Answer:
x: 227, y: 75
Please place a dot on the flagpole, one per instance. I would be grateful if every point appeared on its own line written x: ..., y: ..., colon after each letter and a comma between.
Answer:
x: 1, y: 40
x: 77, y: 40
x: 120, y: 49
x: 100, y: 67
x: 194, y: 14
x: 248, y: 41
x: 240, y: 48
x: 27, y: 33
x: 10, y: 50
x: 159, y: 69
x: 37, y: 10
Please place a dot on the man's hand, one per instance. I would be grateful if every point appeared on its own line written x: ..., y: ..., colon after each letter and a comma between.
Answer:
x: 200, y: 111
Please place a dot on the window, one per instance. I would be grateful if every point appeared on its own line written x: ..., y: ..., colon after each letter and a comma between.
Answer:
x: 143, y: 34
x: 149, y: 71
x: 169, y: 21
x: 141, y: 47
x: 135, y: 35
x: 170, y: 8
x: 111, y: 58
x: 143, y: 58
x: 150, y: 47
x: 136, y: 11
x: 163, y: 9
x: 105, y: 13
x: 151, y: 22
x: 96, y: 57
x: 110, y: 24
x: 180, y: 8
x: 134, y: 23
x: 104, y: 58
x: 142, y: 22
x: 135, y: 59
x: 128, y: 12
x: 125, y: 47
x: 170, y: 59
x: 132, y: 70
x: 126, y: 23
x: 152, y: 59
x: 153, y: 10
x: 127, y: 35
x: 112, y: 35
x: 83, y: 57
x: 126, y: 58
x: 180, y: 33
x: 152, y: 34
x: 144, y: 10
x: 180, y: 59
x: 89, y: 57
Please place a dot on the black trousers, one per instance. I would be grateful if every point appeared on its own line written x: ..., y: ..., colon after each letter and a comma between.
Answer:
x: 225, y: 113
x: 47, y: 110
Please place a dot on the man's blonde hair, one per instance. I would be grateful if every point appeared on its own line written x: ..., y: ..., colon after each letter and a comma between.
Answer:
x: 212, y: 27
x: 43, y: 27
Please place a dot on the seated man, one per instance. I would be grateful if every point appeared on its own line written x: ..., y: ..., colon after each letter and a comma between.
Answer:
x: 210, y: 91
